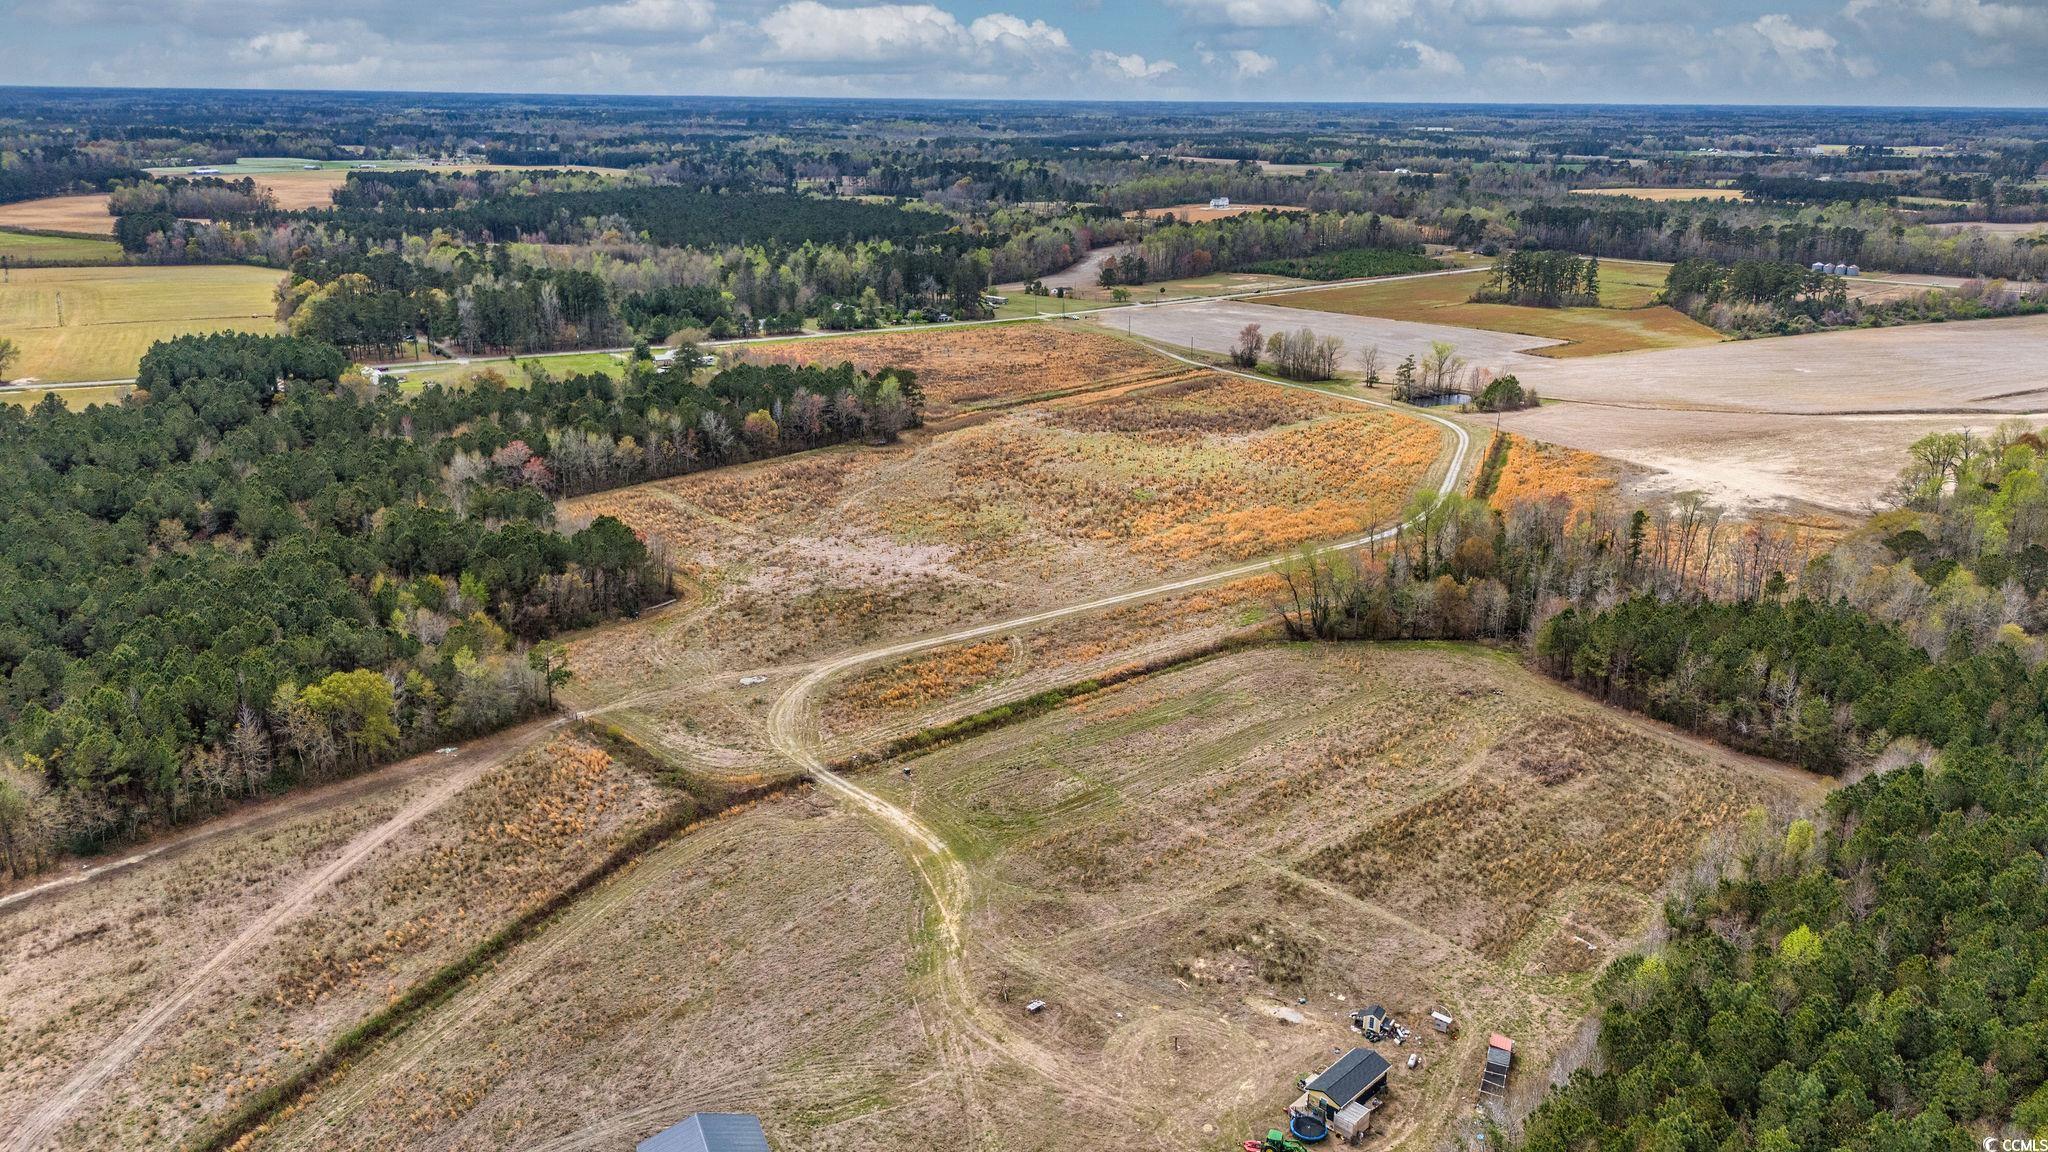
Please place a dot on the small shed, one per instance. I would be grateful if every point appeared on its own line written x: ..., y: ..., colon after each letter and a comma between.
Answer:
x: 1442, y: 1022
x: 1500, y: 1057
x: 710, y: 1132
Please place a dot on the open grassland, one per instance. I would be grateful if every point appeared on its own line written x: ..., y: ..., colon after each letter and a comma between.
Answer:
x: 1626, y: 321
x: 1665, y: 195
x: 95, y: 323
x: 993, y: 366
x: 1171, y: 865
x: 266, y: 965
x: 516, y: 373
x: 85, y: 215
x: 1202, y: 211
x: 23, y: 249
x: 1532, y: 471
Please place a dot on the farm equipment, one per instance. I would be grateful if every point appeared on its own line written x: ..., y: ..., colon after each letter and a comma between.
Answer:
x: 1275, y: 1141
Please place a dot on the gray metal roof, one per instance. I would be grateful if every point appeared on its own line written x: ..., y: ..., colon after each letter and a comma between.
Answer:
x: 710, y: 1132
x: 1351, y: 1076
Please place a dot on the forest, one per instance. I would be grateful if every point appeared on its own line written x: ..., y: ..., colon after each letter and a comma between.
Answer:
x: 263, y: 569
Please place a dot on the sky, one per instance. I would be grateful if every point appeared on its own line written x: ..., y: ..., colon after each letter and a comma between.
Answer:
x: 1913, y: 52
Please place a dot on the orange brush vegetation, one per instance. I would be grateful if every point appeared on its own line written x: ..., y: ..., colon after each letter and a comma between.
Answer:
x: 1538, y: 471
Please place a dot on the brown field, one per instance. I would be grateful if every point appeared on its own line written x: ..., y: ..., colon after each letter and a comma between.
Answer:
x: 1202, y: 211
x: 86, y: 215
x: 992, y: 366
x: 1172, y: 865
x: 1666, y: 194
x: 1537, y: 471
x: 265, y: 957
x: 1625, y: 322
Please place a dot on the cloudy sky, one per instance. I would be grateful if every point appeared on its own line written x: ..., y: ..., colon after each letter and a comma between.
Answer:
x: 1992, y: 52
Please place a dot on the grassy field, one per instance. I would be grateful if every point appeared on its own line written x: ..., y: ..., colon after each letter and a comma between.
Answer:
x: 514, y: 372
x: 76, y: 399
x: 1625, y: 321
x: 1202, y: 873
x: 86, y: 214
x: 22, y: 248
x: 95, y: 323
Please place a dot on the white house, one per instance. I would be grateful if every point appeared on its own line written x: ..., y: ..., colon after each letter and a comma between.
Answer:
x: 1220, y: 202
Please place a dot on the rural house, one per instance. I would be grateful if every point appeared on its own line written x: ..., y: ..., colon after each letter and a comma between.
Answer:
x: 1344, y: 1095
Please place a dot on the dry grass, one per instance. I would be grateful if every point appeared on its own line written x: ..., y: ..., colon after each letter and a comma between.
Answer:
x: 1202, y: 211
x: 96, y: 323
x: 1170, y: 865
x: 1535, y: 471
x: 79, y: 968
x: 1024, y: 509
x: 968, y: 368
x: 1666, y: 195
x: 1625, y: 321
x: 86, y: 215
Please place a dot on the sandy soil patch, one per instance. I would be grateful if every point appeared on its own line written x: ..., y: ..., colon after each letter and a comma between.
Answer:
x: 1982, y: 366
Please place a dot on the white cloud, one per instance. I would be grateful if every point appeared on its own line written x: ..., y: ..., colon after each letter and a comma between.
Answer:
x: 1250, y: 64
x: 643, y: 16
x: 1984, y: 18
x: 811, y: 32
x: 1789, y: 39
x: 1525, y: 11
x: 1376, y: 13
x: 1130, y: 66
x: 1434, y: 61
x: 1254, y: 13
x: 1014, y: 33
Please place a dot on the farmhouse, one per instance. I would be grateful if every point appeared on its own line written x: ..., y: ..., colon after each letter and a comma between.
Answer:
x: 710, y: 1132
x: 1220, y: 202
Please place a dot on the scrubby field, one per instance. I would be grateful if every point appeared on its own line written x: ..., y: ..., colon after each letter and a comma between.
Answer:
x: 158, y: 1000
x: 791, y: 559
x: 995, y: 366
x: 1665, y: 195
x: 1202, y: 211
x: 96, y: 323
x: 86, y: 214
x: 1171, y: 865
x: 23, y: 249
x: 1626, y: 321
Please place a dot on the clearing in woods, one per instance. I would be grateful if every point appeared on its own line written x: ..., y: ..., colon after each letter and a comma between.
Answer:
x: 215, y: 972
x: 96, y: 323
x: 85, y: 214
x: 1171, y: 865
x: 1666, y: 194
x: 992, y: 366
x: 1626, y: 320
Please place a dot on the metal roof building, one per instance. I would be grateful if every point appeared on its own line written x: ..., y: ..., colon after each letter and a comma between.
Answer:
x: 710, y: 1132
x: 1357, y: 1073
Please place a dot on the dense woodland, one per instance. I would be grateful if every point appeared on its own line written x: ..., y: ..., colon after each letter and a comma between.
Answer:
x: 262, y: 568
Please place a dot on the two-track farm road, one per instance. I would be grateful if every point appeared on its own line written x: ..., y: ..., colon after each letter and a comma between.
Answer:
x: 792, y: 722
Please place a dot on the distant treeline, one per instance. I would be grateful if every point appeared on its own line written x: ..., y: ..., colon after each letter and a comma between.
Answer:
x: 37, y: 179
